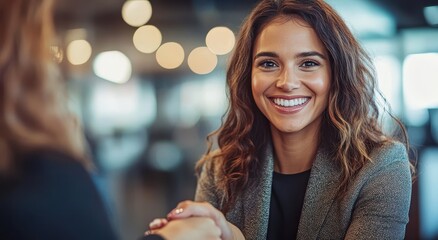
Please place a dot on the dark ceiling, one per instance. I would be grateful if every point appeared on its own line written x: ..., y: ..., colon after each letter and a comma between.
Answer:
x: 187, y: 21
x: 408, y: 13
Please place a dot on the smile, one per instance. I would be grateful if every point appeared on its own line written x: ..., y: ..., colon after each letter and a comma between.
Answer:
x: 290, y: 102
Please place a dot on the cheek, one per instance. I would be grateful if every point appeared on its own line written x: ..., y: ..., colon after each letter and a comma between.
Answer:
x: 260, y: 82
x: 258, y: 88
x: 320, y: 85
x: 256, y: 85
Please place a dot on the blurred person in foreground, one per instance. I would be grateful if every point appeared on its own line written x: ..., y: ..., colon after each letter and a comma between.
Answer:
x: 302, y: 153
x: 46, y: 191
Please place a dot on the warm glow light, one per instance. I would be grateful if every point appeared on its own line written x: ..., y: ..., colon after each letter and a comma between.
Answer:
x: 202, y: 61
x: 147, y: 39
x: 57, y: 53
x: 78, y: 52
x: 220, y: 40
x: 136, y: 12
x: 170, y: 55
x: 113, y: 66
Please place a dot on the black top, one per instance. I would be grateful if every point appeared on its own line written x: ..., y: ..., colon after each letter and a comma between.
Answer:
x: 51, y: 197
x: 287, y: 199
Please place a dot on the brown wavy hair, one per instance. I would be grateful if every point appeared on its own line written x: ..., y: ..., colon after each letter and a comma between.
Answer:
x: 350, y: 121
x: 33, y: 102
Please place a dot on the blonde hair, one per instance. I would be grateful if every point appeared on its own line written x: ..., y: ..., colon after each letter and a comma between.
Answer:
x: 33, y: 102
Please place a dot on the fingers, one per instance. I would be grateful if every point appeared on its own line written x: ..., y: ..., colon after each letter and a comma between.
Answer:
x: 207, y: 223
x: 193, y: 228
x: 188, y: 209
x: 193, y: 209
x: 157, y: 223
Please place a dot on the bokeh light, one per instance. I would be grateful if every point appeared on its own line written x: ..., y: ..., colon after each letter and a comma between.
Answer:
x: 170, y: 55
x: 202, y: 61
x: 113, y: 66
x: 78, y: 52
x: 57, y: 53
x: 136, y: 12
x: 220, y: 40
x: 420, y: 72
x: 431, y: 15
x: 147, y: 39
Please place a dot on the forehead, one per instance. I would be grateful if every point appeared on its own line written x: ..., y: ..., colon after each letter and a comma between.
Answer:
x: 290, y: 33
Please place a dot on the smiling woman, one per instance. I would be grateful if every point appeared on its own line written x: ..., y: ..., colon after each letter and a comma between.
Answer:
x: 301, y: 152
x: 290, y: 85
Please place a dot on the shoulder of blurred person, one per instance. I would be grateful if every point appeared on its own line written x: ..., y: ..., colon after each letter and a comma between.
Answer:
x: 45, y: 189
x: 51, y: 196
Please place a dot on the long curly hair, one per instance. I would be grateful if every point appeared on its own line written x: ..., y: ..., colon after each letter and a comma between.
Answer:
x: 33, y: 103
x: 351, y: 120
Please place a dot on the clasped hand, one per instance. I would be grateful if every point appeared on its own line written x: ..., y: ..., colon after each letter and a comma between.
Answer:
x: 200, y: 220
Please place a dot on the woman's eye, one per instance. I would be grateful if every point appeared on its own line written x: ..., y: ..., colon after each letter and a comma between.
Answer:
x: 308, y: 64
x: 268, y: 64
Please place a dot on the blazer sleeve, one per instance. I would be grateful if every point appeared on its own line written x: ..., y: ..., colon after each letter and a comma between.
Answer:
x: 381, y: 211
x: 206, y: 190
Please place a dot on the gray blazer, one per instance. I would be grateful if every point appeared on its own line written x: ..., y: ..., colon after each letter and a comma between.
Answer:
x: 376, y: 205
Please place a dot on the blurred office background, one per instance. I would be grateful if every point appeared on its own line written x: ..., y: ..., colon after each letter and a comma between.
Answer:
x: 147, y: 79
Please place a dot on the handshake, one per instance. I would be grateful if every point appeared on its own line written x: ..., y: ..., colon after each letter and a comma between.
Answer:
x: 192, y: 221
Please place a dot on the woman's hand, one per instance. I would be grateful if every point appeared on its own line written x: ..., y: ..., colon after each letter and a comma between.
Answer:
x: 157, y: 223
x: 194, y: 228
x: 189, y: 209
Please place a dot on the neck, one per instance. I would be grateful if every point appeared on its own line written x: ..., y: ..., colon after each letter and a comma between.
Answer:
x: 294, y: 152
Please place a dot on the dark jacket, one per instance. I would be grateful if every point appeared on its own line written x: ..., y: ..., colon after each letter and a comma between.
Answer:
x: 51, y: 196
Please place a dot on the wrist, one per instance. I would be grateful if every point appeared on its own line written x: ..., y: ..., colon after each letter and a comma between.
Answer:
x: 236, y: 234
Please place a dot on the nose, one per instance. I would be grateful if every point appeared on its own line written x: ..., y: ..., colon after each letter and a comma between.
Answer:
x: 288, y: 80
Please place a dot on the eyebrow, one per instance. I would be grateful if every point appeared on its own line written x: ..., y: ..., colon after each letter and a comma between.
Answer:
x: 299, y: 55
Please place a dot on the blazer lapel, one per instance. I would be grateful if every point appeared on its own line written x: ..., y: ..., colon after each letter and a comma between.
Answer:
x: 257, y: 199
x: 321, y: 190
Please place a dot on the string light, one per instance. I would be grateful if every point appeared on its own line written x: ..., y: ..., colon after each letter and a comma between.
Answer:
x: 136, y: 12
x: 202, y: 61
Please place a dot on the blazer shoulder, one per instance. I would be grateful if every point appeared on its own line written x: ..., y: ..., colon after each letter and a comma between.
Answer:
x: 385, y: 155
x: 390, y: 152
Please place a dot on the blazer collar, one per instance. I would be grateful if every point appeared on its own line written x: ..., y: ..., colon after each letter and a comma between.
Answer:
x: 320, y: 194
x: 256, y: 200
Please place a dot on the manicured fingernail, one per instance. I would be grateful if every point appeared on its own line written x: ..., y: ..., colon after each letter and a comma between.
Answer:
x: 155, y: 223
x: 174, y: 212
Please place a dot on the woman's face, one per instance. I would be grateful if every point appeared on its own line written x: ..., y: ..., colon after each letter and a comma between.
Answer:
x: 290, y: 76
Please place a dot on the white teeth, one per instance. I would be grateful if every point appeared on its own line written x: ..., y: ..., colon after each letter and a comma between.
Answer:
x: 290, y: 103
